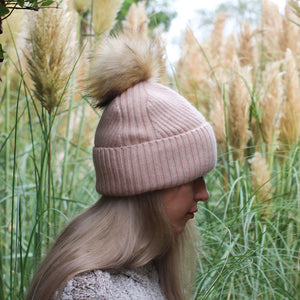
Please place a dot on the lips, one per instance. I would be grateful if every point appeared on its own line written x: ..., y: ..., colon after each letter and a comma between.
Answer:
x: 191, y: 214
x: 193, y: 211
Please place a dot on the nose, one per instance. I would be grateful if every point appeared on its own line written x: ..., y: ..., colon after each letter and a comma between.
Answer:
x: 200, y: 191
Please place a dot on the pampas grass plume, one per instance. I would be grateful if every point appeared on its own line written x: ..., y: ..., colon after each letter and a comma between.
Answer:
x: 192, y: 72
x: 290, y: 120
x: 136, y: 22
x: 229, y: 51
x: 272, y: 30
x: 291, y: 32
x: 217, y: 114
x: 104, y: 14
x: 261, y: 184
x: 246, y: 47
x: 49, y: 55
x: 270, y: 104
x: 216, y: 38
x: 238, y: 113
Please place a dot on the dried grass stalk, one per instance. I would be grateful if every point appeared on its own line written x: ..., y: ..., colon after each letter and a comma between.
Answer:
x: 238, y: 111
x: 50, y: 55
x: 246, y: 45
x: 270, y: 104
x: 290, y: 120
x: 104, y: 15
x: 216, y: 37
x: 272, y: 31
x: 192, y: 72
x: 261, y: 183
x: 136, y: 22
x: 229, y: 51
x: 217, y: 114
x: 291, y: 32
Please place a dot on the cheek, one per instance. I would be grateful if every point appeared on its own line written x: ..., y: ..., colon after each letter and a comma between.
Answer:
x: 177, y: 206
x: 174, y: 212
x: 178, y: 201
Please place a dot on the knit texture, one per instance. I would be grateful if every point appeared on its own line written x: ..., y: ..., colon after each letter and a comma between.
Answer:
x: 142, y: 283
x: 150, y: 138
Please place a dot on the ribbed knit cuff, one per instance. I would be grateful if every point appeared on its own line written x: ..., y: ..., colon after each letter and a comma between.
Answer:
x: 155, y: 165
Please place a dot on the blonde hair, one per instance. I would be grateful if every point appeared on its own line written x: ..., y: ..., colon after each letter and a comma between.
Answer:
x: 114, y: 233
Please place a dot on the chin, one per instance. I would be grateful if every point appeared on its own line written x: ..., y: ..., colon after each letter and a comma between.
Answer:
x: 178, y: 229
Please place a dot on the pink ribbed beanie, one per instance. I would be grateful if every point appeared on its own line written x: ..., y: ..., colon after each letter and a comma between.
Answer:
x: 149, y: 137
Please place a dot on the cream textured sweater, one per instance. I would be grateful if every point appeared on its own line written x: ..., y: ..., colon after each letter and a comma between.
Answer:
x: 142, y: 283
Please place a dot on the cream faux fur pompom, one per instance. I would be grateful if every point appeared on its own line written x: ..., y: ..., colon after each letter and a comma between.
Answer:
x: 120, y: 63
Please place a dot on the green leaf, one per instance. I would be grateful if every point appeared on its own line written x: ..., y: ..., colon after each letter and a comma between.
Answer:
x: 47, y: 2
x: 3, y: 11
x: 21, y: 2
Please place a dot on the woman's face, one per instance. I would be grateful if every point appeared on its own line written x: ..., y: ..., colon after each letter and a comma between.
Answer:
x: 180, y: 202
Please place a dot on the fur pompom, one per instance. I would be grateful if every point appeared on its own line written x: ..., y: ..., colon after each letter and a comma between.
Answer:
x: 120, y: 63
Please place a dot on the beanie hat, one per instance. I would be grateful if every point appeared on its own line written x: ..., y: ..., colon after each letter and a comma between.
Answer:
x: 149, y: 137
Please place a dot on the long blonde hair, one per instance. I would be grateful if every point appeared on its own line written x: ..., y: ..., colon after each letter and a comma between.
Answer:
x: 115, y: 233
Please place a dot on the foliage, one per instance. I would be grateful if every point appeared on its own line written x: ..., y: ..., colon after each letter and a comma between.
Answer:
x: 161, y: 18
x: 8, y: 6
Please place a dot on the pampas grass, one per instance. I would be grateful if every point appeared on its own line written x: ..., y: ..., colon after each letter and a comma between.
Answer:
x: 136, y: 23
x: 261, y: 176
x: 191, y: 73
x: 229, y: 50
x: 104, y: 14
x: 251, y: 87
x: 217, y: 115
x: 216, y: 37
x: 246, y: 45
x: 272, y: 31
x: 238, y: 111
x: 270, y: 104
x: 290, y: 119
x: 49, y: 56
x: 291, y: 32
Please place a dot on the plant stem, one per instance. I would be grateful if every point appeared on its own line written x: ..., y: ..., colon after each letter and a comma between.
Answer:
x: 49, y: 177
x: 12, y: 261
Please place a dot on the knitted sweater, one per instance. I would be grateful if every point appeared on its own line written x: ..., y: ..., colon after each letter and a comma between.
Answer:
x: 142, y: 283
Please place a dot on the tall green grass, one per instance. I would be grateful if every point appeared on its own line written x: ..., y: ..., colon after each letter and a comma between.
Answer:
x: 246, y: 253
x: 46, y: 174
x: 35, y: 200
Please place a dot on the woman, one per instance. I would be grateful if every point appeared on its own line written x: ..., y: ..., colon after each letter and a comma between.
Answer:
x: 152, y: 149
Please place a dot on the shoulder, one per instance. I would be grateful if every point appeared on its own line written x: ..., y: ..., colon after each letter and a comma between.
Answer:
x: 124, y: 284
x: 88, y: 285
